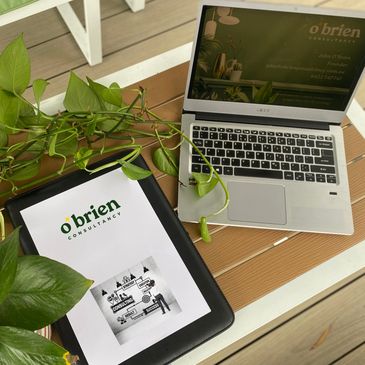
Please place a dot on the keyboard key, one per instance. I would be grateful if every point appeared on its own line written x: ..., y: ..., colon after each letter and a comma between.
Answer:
x: 242, y: 138
x: 218, y: 144
x: 328, y: 138
x: 254, y: 132
x: 265, y: 164
x: 208, y: 143
x: 309, y: 176
x: 240, y: 171
x: 252, y: 138
x: 331, y: 179
x: 276, y: 148
x: 218, y: 169
x: 261, y: 139
x: 237, y: 131
x: 287, y: 135
x: 306, y: 151
x: 240, y: 154
x: 299, y: 176
x: 245, y: 163
x: 304, y: 167
x: 196, y: 127
x: 195, y: 168
x: 213, y: 135
x: 308, y: 159
x: 228, y: 170
x: 210, y: 152
x: 247, y: 146
x: 323, y: 169
x: 250, y: 154
x: 279, y: 157
x: 196, y: 159
x: 223, y: 136
x: 285, y: 166
x: 227, y: 145
x: 294, y: 167
x: 226, y: 161
x: 213, y: 129
x: 229, y: 130
x: 262, y: 133
x: 195, y: 134
x: 324, y: 144
x: 257, y: 147
x: 289, y: 158
x: 230, y: 153
x: 270, y: 156
x: 232, y: 137
x: 290, y: 142
x: 271, y: 140
x: 235, y: 162
x: 275, y: 165
x: 281, y: 140
x: 309, y: 143
x: 303, y: 136
x: 296, y: 150
x: 315, y: 152
x: 203, y: 135
x: 260, y: 156
x: 279, y: 134
x: 266, y: 147
x: 286, y: 149
x: 299, y: 159
x: 324, y: 161
x: 221, y: 152
x: 300, y: 142
x: 311, y: 136
x: 206, y: 169
x: 295, y: 135
x: 327, y: 153
x: 320, y: 138
x: 201, y: 149
x: 198, y: 142
x: 288, y: 175
x: 321, y: 178
x: 237, y: 145
x: 255, y: 163
x: 216, y: 160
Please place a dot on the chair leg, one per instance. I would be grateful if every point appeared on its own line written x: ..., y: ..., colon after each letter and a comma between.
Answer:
x: 89, y: 39
x: 136, y: 5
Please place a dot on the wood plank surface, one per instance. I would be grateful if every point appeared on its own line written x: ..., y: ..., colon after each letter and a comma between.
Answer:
x: 355, y: 357
x: 319, y: 336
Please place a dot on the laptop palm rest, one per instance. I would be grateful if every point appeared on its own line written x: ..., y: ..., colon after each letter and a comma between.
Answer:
x: 257, y: 203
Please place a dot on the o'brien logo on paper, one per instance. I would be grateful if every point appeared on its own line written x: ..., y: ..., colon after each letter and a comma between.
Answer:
x: 78, y: 225
x: 326, y: 29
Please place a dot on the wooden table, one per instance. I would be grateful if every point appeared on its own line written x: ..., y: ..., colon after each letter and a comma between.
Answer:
x: 248, y: 263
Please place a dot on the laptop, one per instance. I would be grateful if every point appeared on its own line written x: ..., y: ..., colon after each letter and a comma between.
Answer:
x: 268, y: 87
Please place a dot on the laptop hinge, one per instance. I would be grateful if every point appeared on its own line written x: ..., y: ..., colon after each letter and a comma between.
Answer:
x: 247, y: 119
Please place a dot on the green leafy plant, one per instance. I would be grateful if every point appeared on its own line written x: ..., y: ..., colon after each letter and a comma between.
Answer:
x: 263, y: 95
x: 28, y: 285
x: 97, y: 120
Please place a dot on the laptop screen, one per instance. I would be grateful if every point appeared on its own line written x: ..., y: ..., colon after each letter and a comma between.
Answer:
x: 277, y: 58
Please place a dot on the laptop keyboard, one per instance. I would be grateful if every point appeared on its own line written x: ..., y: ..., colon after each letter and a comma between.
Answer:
x: 266, y: 154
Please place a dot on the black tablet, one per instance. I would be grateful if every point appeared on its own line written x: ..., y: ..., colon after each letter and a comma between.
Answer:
x: 153, y: 299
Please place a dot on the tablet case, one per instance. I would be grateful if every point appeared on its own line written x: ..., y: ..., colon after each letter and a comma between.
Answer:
x: 166, y: 350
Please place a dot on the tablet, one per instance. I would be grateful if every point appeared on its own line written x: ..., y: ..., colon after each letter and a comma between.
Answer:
x: 153, y: 299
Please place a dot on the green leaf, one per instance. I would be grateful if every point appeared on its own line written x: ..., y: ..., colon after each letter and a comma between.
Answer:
x: 82, y: 154
x: 15, y: 67
x: 22, y: 347
x: 204, y: 183
x: 204, y: 231
x: 79, y: 96
x: 40, y: 144
x: 107, y: 125
x: 99, y: 89
x: 39, y: 87
x: 264, y: 93
x: 113, y: 95
x: 43, y: 291
x: 134, y: 172
x: 9, y: 110
x: 166, y: 161
x: 26, y: 171
x: 8, y: 262
x: 64, y: 142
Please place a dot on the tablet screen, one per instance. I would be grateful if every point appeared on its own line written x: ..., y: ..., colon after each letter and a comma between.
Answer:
x: 107, y: 230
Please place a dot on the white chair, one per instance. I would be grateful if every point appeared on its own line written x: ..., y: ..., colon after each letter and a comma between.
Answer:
x: 88, y: 38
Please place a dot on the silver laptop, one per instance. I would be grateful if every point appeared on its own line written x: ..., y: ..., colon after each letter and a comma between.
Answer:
x: 267, y: 90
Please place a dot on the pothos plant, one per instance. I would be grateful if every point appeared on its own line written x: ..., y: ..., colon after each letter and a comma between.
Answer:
x: 34, y: 292
x: 97, y: 120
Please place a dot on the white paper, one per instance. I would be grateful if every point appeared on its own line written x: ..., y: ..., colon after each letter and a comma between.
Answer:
x: 142, y: 291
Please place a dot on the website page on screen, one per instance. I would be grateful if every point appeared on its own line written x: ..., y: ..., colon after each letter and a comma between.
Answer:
x: 107, y: 230
x: 278, y: 58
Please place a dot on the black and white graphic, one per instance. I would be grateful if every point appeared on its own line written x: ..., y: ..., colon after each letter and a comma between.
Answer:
x: 135, y: 299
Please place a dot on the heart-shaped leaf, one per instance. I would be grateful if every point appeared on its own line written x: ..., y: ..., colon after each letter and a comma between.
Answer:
x: 8, y: 262
x: 79, y: 96
x: 39, y: 87
x: 98, y: 89
x: 9, y: 109
x: 166, y: 161
x: 204, y: 183
x: 43, y: 291
x: 135, y: 172
x: 15, y: 67
x: 22, y: 347
x: 82, y: 157
x: 113, y: 95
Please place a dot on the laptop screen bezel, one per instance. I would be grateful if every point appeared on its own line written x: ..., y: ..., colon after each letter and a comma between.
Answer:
x: 264, y: 110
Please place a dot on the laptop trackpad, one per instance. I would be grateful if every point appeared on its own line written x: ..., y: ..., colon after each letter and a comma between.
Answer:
x: 257, y: 203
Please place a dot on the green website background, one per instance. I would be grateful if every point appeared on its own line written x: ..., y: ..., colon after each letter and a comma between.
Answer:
x: 292, y: 59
